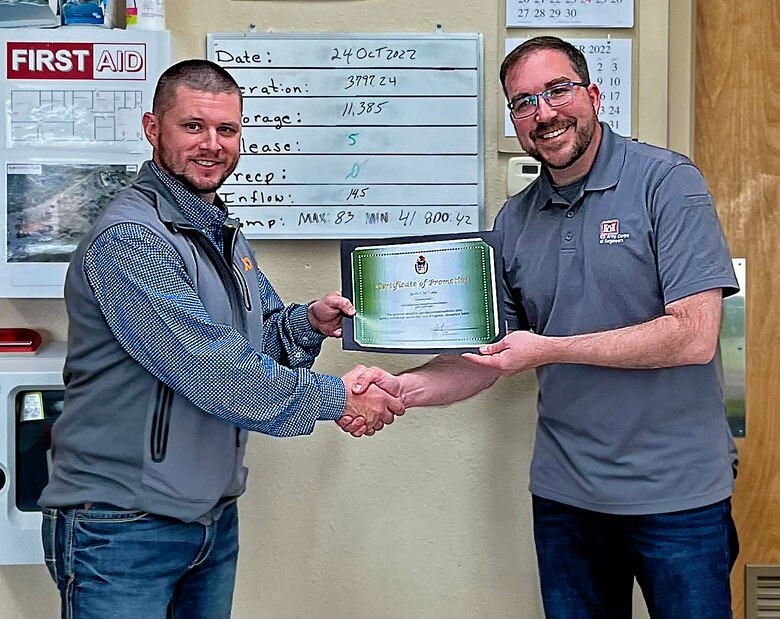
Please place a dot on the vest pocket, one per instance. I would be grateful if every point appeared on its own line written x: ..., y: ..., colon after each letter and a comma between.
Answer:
x: 161, y: 422
x: 189, y: 455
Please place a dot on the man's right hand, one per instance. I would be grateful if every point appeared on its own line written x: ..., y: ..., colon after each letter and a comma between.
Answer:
x: 368, y: 407
x: 443, y: 380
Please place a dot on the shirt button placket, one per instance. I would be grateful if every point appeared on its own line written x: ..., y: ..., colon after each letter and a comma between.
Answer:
x: 567, y: 236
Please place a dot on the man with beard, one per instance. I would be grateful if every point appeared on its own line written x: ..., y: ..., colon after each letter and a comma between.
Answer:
x: 615, y: 270
x: 178, y: 345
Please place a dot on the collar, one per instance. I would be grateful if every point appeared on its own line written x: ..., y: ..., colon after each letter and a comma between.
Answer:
x: 604, y: 173
x: 168, y: 206
x: 199, y: 212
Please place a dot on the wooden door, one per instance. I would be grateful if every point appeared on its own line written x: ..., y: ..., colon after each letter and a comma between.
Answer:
x: 737, y: 147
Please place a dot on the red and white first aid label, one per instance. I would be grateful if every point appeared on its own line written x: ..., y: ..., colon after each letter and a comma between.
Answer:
x: 75, y: 61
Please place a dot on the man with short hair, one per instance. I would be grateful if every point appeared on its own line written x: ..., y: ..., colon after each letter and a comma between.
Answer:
x: 615, y: 267
x: 178, y: 344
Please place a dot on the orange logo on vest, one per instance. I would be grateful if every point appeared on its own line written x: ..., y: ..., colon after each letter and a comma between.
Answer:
x: 247, y: 264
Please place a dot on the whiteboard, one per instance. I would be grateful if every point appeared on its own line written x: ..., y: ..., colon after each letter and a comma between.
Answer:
x: 356, y: 135
x: 569, y: 13
x: 609, y: 65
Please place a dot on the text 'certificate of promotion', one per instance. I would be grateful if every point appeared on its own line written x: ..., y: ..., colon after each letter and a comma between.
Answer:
x: 422, y: 294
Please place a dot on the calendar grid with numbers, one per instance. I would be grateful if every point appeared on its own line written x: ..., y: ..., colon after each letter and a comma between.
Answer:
x: 569, y: 13
x: 609, y: 63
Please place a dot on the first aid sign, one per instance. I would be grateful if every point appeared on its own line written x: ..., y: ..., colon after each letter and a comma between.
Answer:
x: 75, y: 61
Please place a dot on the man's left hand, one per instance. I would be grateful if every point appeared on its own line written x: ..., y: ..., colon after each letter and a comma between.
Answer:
x: 325, y: 315
x: 517, y: 352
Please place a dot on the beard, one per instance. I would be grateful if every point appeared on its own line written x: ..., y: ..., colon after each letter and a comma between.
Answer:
x: 177, y: 169
x: 582, y: 140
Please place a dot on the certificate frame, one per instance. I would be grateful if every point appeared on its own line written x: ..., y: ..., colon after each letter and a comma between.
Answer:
x: 455, y: 307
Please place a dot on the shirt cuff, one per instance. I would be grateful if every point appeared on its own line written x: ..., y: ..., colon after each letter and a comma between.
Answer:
x: 334, y: 397
x: 305, y: 335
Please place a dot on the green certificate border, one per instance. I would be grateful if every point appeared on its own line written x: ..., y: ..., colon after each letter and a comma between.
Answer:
x: 423, y: 294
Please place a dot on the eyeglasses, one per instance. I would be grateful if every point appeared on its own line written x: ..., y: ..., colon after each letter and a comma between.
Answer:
x: 555, y: 96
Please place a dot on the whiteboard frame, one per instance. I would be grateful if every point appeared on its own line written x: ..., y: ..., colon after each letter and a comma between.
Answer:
x: 213, y: 38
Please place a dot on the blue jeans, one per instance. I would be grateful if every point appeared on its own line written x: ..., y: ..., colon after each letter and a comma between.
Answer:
x: 118, y: 564
x: 681, y: 560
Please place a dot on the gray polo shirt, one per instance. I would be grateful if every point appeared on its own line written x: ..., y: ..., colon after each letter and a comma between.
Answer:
x: 643, y: 233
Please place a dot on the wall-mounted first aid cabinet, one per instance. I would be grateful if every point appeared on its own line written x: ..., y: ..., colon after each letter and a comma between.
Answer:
x: 31, y: 398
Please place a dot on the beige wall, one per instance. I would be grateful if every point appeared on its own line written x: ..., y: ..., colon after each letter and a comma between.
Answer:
x: 430, y: 518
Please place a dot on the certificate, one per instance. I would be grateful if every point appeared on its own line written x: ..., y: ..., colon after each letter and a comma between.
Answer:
x: 428, y: 294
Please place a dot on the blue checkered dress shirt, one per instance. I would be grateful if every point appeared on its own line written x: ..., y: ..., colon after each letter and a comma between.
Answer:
x: 150, y: 304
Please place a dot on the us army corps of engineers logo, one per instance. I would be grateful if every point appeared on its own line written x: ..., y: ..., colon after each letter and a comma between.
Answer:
x: 610, y: 232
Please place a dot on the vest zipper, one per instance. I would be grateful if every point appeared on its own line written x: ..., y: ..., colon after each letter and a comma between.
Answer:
x: 244, y: 288
x: 235, y: 297
x: 229, y: 233
x: 226, y: 275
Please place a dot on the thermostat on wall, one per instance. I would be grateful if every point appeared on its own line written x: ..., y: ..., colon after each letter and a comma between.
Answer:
x: 521, y: 172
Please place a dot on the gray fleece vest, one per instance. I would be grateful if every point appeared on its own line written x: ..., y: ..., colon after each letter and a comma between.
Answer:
x: 124, y: 437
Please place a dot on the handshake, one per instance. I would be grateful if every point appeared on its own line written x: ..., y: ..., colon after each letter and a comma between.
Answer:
x: 373, y: 401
